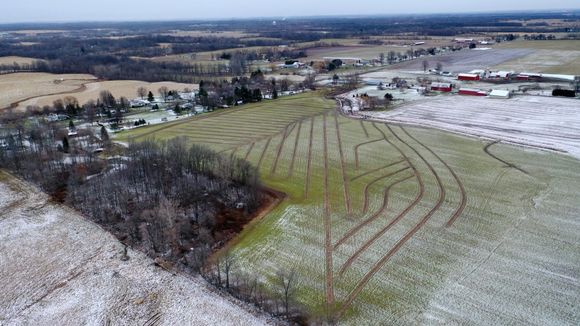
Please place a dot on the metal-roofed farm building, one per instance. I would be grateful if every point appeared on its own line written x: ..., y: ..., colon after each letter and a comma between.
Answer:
x: 500, y: 94
x: 468, y: 77
x: 441, y: 87
x: 472, y: 92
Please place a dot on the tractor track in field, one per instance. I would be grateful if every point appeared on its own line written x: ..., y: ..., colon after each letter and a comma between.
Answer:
x: 356, y: 148
x: 378, y: 265
x: 233, y: 153
x: 154, y: 319
x: 375, y: 170
x: 402, y: 214
x: 287, y: 131
x: 79, y: 89
x: 463, y: 202
x: 296, y: 141
x: 309, y: 162
x: 249, y: 151
x: 508, y: 164
x: 327, y: 226
x: 375, y: 215
x: 364, y: 128
x: 263, y: 153
x: 370, y: 184
x: 347, y: 199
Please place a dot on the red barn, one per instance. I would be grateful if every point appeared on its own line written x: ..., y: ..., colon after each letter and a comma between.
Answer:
x: 441, y: 87
x: 472, y: 92
x: 534, y: 77
x: 468, y: 77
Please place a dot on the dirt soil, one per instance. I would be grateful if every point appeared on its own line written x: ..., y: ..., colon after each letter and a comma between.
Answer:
x: 58, y: 268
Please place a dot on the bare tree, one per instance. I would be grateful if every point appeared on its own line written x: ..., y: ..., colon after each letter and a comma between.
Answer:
x: 352, y: 81
x: 70, y: 101
x: 439, y: 66
x: 58, y: 105
x: 382, y: 58
x: 284, y: 84
x: 142, y: 92
x: 229, y: 262
x: 286, y: 280
x: 90, y: 111
x: 164, y: 92
x: 425, y: 65
x: 107, y: 98
x: 391, y: 56
x: 309, y: 81
x: 124, y: 102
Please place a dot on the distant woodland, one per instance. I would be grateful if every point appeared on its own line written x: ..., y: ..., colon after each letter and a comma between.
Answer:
x: 120, y: 50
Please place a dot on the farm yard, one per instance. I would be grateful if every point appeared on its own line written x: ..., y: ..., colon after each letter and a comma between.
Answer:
x: 394, y: 224
x: 59, y: 268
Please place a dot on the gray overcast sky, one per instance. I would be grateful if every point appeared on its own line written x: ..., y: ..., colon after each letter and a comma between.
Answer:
x: 103, y: 10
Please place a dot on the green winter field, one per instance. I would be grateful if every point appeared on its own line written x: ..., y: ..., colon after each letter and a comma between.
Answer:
x: 388, y: 224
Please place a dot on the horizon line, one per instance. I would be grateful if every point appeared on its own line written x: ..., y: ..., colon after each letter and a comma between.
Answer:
x: 275, y: 17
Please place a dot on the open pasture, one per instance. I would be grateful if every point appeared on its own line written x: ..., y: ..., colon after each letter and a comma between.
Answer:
x: 386, y: 224
x: 352, y: 48
x: 466, y: 60
x: 19, y: 60
x: 364, y: 52
x: 553, y: 61
x: 558, y: 45
x: 21, y: 86
x: 90, y: 91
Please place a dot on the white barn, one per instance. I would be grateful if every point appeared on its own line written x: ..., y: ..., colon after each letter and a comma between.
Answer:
x: 500, y: 93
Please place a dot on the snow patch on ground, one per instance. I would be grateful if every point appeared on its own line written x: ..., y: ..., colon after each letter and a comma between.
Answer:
x: 58, y: 268
x: 542, y: 122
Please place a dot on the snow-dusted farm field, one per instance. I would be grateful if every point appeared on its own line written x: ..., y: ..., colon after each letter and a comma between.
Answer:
x: 57, y: 268
x: 388, y: 224
x: 545, y: 122
x: 466, y: 60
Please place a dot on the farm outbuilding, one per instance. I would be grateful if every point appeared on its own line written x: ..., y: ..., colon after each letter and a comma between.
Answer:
x: 441, y: 87
x: 472, y: 92
x: 468, y: 77
x: 500, y: 94
x: 500, y: 74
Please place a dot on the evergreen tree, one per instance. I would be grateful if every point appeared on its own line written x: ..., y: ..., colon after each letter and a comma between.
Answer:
x: 65, y: 144
x: 150, y: 97
x: 257, y: 95
x: 71, y: 124
x: 104, y: 135
x: 275, y: 94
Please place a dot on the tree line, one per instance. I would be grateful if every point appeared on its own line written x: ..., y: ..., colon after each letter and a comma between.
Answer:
x: 175, y: 202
